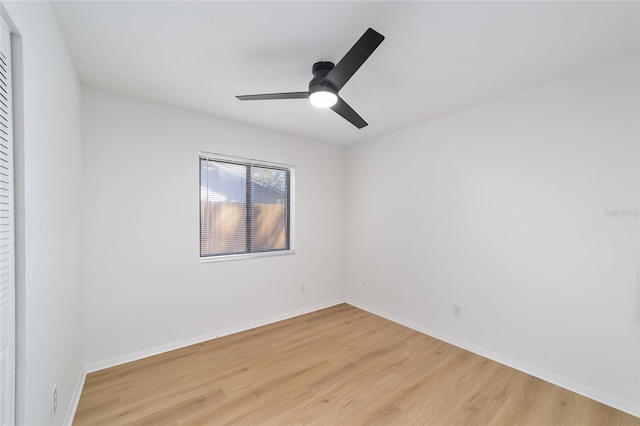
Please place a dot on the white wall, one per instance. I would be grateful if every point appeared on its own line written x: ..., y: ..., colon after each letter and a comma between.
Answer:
x: 48, y: 167
x: 500, y: 208
x: 144, y: 287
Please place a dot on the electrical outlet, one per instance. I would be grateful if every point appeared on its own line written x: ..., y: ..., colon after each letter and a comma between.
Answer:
x: 54, y: 400
x: 302, y: 289
x: 457, y: 311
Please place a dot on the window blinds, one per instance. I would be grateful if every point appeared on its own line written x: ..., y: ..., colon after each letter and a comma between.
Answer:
x: 245, y: 207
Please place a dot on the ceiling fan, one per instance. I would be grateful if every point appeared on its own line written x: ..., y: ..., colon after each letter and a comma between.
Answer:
x: 328, y: 79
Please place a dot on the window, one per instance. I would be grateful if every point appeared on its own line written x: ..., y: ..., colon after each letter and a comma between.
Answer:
x: 245, y: 208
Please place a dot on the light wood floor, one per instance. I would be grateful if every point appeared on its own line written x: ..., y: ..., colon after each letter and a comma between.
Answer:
x: 338, y: 366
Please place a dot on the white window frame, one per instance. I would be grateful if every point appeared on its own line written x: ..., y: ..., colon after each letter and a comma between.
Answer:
x: 251, y: 162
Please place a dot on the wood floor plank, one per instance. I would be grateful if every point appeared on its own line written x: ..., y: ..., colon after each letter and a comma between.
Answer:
x: 337, y: 366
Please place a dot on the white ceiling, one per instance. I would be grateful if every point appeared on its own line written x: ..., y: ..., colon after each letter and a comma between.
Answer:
x: 437, y: 56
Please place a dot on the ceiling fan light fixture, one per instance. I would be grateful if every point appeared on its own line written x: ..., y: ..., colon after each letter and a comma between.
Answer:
x: 323, y: 99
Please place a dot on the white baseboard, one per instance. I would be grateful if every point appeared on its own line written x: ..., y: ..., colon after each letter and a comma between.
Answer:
x: 579, y: 388
x: 156, y: 350
x: 75, y: 398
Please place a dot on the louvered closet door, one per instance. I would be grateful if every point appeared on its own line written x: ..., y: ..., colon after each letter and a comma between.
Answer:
x: 7, y: 248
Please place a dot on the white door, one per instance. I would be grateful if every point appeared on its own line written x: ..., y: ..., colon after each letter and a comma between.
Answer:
x: 7, y: 248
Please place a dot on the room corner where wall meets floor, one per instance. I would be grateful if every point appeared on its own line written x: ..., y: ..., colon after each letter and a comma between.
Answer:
x: 340, y: 365
x: 505, y: 210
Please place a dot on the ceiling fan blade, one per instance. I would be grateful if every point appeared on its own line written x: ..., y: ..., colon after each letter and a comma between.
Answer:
x: 269, y: 96
x: 354, y: 58
x: 342, y: 108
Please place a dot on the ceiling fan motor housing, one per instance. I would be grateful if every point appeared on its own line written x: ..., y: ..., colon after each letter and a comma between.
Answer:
x: 318, y: 83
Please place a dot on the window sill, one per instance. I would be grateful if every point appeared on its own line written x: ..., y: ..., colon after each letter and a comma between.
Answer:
x: 226, y: 258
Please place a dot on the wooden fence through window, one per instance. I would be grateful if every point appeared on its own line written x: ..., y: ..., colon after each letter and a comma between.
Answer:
x: 223, y: 227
